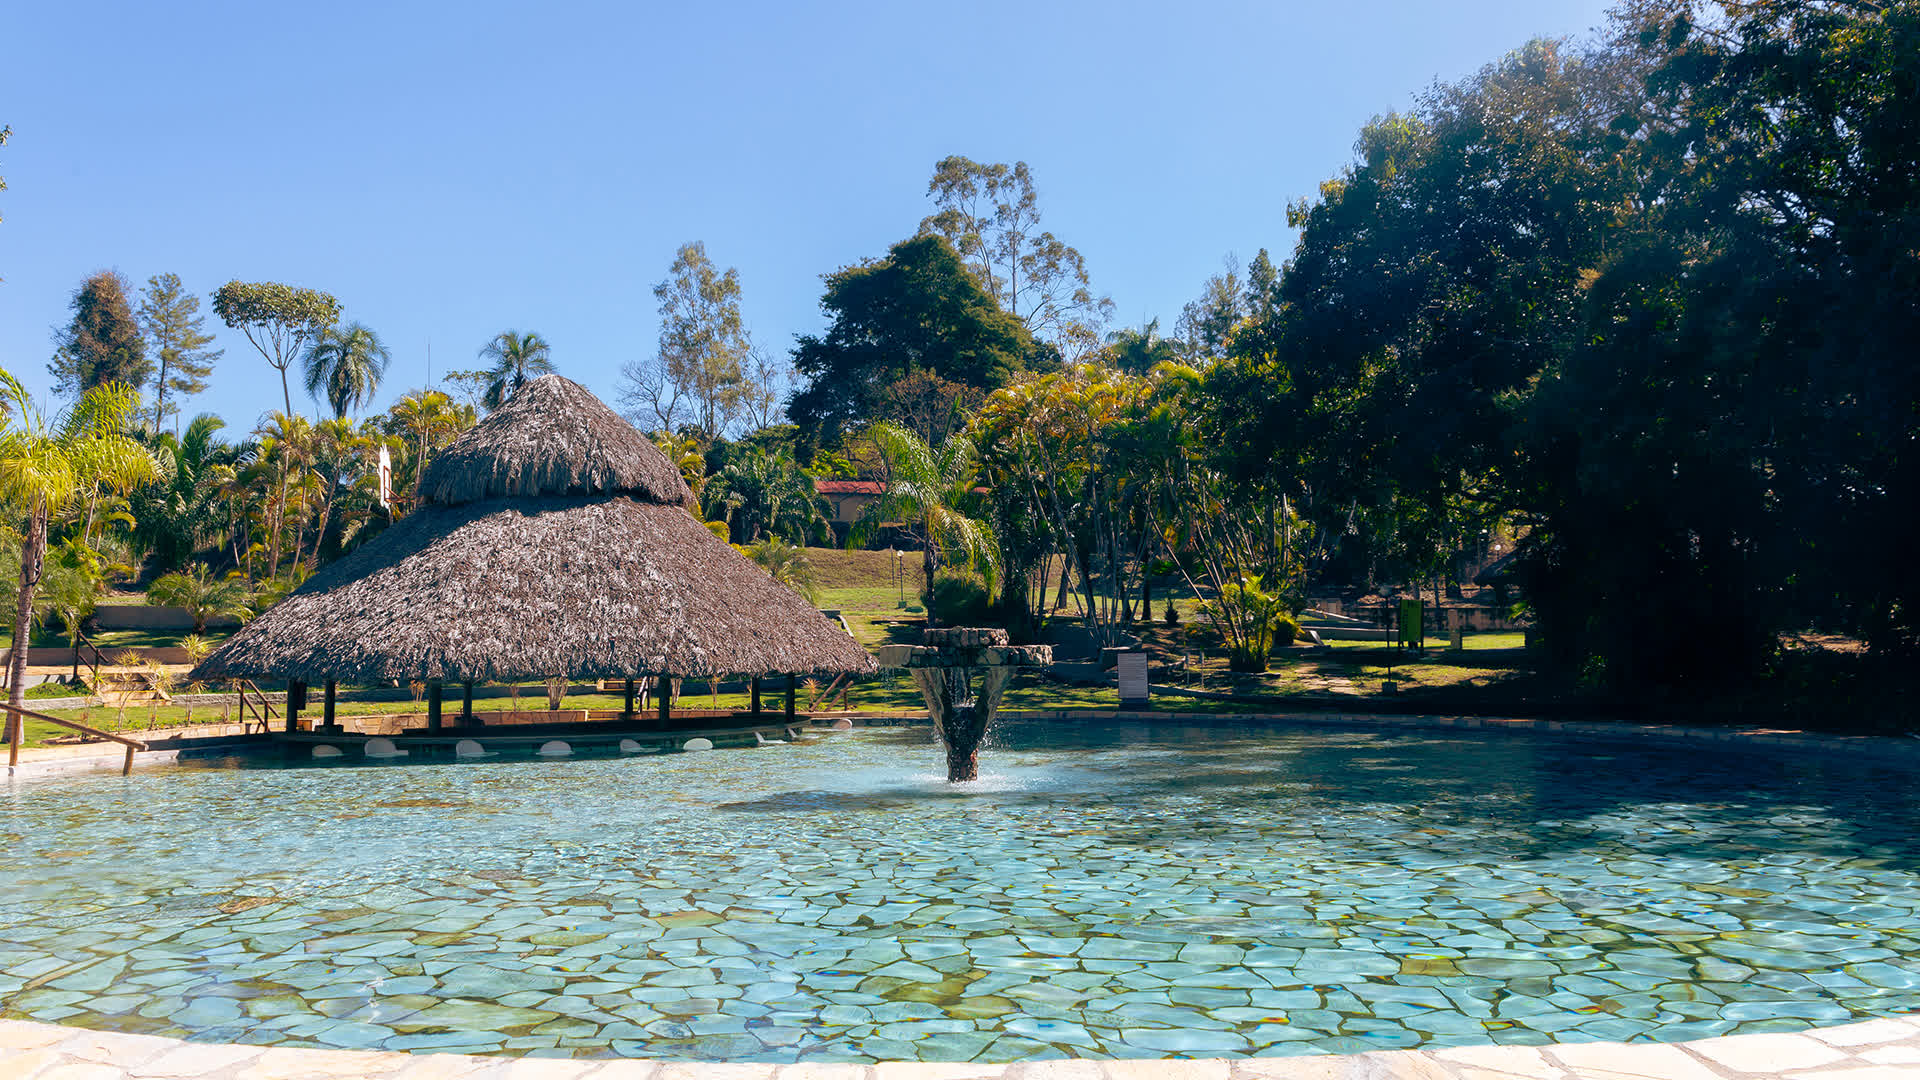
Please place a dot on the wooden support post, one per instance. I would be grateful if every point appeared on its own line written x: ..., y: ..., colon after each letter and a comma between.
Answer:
x: 626, y: 712
x: 467, y: 718
x: 433, y: 704
x: 663, y: 692
x: 790, y: 711
x: 296, y: 700
x: 326, y: 707
x: 755, y: 682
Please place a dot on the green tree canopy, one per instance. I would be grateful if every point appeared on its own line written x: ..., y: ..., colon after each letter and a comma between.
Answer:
x: 278, y: 320
x: 918, y: 309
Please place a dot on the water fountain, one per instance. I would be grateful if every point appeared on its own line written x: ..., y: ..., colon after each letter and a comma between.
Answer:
x: 945, y: 667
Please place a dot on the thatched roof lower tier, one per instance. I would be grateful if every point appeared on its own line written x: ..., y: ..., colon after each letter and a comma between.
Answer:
x: 514, y: 591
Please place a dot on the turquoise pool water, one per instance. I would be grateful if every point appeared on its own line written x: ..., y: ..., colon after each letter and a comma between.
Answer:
x: 1106, y: 890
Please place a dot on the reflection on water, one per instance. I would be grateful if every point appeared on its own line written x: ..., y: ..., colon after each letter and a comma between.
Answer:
x: 1114, y: 890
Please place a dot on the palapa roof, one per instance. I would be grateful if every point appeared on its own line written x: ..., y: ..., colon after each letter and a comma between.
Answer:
x: 553, y: 539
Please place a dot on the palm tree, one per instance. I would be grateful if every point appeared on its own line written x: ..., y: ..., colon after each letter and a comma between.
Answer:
x: 929, y: 489
x: 183, y: 511
x: 47, y: 462
x: 345, y: 366
x: 202, y: 595
x: 517, y: 359
x: 286, y: 441
x: 337, y: 448
x: 1139, y: 351
x: 765, y: 492
x: 786, y: 564
x: 431, y: 417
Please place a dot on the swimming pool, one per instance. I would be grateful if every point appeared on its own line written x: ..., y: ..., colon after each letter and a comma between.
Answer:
x: 1107, y: 890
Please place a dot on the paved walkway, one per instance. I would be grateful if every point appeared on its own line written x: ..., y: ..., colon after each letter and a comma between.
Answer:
x: 1874, y: 1050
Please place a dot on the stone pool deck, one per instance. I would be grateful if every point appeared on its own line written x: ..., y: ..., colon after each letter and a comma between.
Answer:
x: 1887, y: 1049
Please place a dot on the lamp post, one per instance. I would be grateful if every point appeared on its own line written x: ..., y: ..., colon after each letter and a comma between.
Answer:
x: 899, y: 583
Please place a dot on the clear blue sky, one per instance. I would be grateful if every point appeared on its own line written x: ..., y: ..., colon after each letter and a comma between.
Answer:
x: 452, y: 170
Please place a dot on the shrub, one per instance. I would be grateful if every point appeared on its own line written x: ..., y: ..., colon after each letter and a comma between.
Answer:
x: 959, y: 598
x: 1252, y: 620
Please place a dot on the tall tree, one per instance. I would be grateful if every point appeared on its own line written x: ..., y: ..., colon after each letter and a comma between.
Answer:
x: 101, y: 344
x: 176, y: 333
x: 1207, y: 323
x: 1263, y: 287
x: 278, y: 320
x: 47, y: 462
x: 514, y: 360
x: 698, y: 374
x: 991, y: 216
x: 918, y: 309
x: 763, y: 389
x: 344, y: 367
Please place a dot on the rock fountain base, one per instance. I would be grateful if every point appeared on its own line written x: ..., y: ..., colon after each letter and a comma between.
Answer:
x: 945, y: 667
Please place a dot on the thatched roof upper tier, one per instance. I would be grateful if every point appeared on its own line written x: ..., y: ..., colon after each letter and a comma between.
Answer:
x: 524, y: 589
x: 552, y: 437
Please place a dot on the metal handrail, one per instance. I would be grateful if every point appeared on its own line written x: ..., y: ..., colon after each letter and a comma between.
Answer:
x: 20, y: 735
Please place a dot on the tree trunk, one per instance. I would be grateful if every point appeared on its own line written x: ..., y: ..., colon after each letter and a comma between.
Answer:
x: 926, y: 580
x: 33, y: 550
x: 279, y: 525
x: 326, y: 514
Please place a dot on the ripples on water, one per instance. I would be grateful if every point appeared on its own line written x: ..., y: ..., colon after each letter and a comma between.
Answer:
x: 1112, y: 890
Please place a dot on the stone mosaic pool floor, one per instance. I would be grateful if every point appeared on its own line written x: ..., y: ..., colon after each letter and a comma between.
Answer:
x: 1107, y: 892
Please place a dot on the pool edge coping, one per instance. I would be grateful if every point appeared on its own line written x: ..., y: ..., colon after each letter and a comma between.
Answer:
x: 1868, y: 1050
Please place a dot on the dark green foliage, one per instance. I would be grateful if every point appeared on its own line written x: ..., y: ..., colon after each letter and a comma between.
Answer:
x: 761, y: 492
x: 101, y: 343
x: 183, y: 512
x: 916, y: 310
x: 1651, y: 304
x: 959, y: 598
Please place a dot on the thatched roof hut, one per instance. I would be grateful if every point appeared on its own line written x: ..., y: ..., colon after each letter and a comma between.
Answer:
x: 552, y: 539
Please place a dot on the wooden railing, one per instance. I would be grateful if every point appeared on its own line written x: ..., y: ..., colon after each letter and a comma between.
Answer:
x: 18, y: 718
x: 93, y: 666
x: 250, y: 711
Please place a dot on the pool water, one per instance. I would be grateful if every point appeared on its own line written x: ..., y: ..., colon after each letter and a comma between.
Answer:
x: 1106, y: 890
